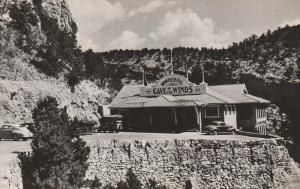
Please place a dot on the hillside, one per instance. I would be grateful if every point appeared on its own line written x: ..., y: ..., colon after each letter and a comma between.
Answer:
x: 38, y: 51
x: 38, y: 42
x: 269, y: 65
x: 18, y: 98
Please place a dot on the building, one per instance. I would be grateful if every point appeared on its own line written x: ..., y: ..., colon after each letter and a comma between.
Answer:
x: 174, y: 104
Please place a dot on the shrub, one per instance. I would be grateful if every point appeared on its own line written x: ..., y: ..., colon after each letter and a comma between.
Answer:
x: 59, y: 157
x: 95, y: 183
x: 188, y: 184
x: 132, y: 182
x: 152, y: 184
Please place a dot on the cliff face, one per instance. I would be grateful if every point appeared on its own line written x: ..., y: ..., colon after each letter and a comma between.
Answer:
x: 37, y: 33
x: 18, y: 98
x: 43, y: 32
x: 48, y: 16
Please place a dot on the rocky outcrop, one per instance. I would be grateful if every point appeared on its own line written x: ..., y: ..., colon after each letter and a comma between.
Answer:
x: 208, y: 164
x: 49, y: 16
x: 18, y: 98
x: 32, y: 31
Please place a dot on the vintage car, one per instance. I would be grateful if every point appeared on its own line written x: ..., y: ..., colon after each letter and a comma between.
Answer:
x: 111, y: 123
x: 15, y: 132
x: 218, y: 127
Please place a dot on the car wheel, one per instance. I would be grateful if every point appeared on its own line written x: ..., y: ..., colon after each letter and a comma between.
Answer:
x: 24, y: 139
x: 215, y: 132
x: 15, y: 138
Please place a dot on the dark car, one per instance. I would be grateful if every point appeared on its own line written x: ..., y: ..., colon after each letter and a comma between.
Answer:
x: 112, y: 123
x: 218, y: 127
x: 15, y: 132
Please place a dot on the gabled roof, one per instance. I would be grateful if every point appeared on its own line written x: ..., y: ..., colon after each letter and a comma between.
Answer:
x: 238, y: 92
x: 129, y: 97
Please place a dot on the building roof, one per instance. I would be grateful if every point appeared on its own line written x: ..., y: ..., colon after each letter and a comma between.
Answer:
x: 238, y: 92
x: 129, y: 97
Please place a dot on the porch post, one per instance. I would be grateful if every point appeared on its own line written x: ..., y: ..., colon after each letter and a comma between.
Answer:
x: 175, y: 116
x: 150, y: 114
x: 198, y: 114
x: 200, y: 119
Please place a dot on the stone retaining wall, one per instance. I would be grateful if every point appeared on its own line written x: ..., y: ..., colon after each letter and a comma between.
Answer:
x: 208, y: 164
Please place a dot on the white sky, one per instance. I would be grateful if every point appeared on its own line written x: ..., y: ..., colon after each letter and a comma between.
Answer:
x: 134, y: 24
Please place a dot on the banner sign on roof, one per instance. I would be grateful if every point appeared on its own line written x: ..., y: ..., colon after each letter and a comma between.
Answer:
x: 173, y: 85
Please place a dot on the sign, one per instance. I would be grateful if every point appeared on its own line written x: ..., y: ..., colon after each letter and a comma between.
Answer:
x: 173, y: 85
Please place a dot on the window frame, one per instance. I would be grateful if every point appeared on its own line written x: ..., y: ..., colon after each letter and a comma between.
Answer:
x: 216, y: 116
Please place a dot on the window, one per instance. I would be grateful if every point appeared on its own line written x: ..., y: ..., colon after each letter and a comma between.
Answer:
x: 5, y: 127
x: 212, y: 111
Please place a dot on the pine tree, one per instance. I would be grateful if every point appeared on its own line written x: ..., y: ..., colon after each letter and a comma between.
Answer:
x: 59, y: 157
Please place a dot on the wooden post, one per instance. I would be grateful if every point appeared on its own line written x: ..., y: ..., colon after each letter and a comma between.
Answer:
x: 199, y: 119
x: 175, y: 116
x: 150, y: 114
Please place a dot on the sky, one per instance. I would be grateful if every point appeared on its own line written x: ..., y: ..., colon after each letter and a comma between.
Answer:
x: 105, y: 25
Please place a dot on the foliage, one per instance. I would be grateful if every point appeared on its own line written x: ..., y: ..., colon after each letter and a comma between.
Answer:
x: 95, y: 183
x: 188, y: 184
x: 268, y: 64
x: 24, y: 19
x: 59, y: 156
x: 152, y: 184
x: 82, y: 126
x: 132, y: 182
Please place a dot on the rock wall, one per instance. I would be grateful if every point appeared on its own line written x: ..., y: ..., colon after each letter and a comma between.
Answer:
x: 18, y: 98
x: 208, y: 164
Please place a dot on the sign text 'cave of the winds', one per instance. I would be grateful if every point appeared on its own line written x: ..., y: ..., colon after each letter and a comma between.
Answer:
x: 173, y: 85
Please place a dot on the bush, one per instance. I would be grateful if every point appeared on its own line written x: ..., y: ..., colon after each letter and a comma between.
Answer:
x: 152, y: 184
x: 83, y: 126
x: 95, y: 183
x: 132, y: 182
x: 188, y: 184
x: 59, y: 157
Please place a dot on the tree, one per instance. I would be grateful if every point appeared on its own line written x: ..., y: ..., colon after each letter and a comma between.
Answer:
x: 59, y: 156
x: 188, y: 184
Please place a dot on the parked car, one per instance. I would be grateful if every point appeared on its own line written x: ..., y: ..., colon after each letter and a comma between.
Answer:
x: 15, y: 132
x: 112, y: 123
x: 218, y: 127
x: 30, y: 126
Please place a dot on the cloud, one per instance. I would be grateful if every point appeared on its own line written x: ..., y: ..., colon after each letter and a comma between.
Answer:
x: 291, y: 23
x: 150, y: 7
x: 127, y: 40
x: 87, y: 43
x: 186, y: 28
x: 92, y: 15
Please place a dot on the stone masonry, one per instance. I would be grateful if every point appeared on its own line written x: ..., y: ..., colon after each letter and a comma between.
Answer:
x: 208, y: 164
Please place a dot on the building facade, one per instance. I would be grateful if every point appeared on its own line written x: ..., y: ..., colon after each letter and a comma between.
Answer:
x: 174, y: 104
